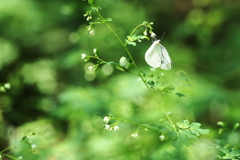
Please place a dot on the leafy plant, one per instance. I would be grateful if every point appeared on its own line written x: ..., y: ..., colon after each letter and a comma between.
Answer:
x: 180, y: 134
x: 228, y: 149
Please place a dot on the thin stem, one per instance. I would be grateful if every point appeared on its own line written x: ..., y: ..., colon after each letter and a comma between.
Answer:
x: 135, y: 29
x: 169, y: 119
x: 9, y: 156
x: 188, y: 153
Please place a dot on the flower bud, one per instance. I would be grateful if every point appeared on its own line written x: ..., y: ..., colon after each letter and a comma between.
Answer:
x: 124, y: 63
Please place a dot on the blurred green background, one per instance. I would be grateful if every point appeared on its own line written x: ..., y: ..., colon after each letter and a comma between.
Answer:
x: 53, y: 95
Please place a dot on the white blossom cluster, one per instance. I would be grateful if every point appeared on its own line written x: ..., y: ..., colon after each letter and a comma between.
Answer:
x: 110, y: 127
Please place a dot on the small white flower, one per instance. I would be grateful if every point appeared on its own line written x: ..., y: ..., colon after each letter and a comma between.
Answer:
x: 116, y: 128
x: 139, y: 79
x: 91, y: 32
x: 90, y: 68
x: 106, y: 119
x: 134, y: 135
x: 107, y: 127
x: 33, y: 146
x: 94, y: 50
x: 153, y: 34
x: 145, y: 33
x: 89, y: 17
x: 83, y: 56
x: 162, y: 137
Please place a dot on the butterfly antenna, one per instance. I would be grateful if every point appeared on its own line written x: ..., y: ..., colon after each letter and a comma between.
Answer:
x: 163, y: 35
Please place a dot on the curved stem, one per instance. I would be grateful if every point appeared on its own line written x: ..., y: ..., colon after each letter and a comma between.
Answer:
x: 135, y: 29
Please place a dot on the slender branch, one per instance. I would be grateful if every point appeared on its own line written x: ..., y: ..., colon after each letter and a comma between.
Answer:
x: 135, y: 29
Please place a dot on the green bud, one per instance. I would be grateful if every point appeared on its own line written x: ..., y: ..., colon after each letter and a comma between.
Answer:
x: 236, y: 126
x: 2, y: 89
x: 124, y: 63
x: 7, y: 85
x: 95, y: 51
x: 220, y: 123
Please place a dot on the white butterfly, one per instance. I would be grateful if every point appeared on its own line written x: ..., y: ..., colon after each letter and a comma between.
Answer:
x: 157, y: 56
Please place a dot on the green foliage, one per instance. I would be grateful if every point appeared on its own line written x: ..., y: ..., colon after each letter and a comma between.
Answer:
x: 228, y: 148
x: 54, y: 94
x: 185, y: 132
x: 227, y: 152
x: 134, y: 37
x: 164, y: 83
x: 130, y: 39
x: 188, y: 132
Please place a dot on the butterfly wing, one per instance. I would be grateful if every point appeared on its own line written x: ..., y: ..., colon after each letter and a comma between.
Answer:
x: 166, y: 62
x: 153, y: 56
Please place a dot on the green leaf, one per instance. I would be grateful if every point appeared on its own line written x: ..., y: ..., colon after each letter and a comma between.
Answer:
x: 108, y: 19
x: 234, y: 153
x: 195, y: 132
x: 149, y: 127
x: 136, y: 38
x: 24, y: 138
x: 180, y: 94
x: 180, y: 141
x: 90, y: 1
x: 188, y: 134
x: 130, y: 43
x: 183, y: 124
x: 203, y: 131
x: 111, y: 63
x: 195, y: 125
x: 151, y: 83
x: 225, y: 151
x: 167, y: 89
x: 2, y: 89
x: 167, y: 128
